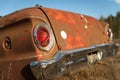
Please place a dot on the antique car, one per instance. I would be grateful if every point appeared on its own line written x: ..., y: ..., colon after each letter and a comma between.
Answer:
x: 41, y: 43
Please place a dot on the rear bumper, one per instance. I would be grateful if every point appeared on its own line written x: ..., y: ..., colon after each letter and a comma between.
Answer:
x: 65, y: 62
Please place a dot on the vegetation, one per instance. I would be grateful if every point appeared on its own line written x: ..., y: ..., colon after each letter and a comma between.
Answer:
x: 114, y: 23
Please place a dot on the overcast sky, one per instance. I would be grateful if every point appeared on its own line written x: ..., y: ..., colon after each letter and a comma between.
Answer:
x: 94, y: 8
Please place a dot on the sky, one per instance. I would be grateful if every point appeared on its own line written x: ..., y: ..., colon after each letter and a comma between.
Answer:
x: 94, y: 8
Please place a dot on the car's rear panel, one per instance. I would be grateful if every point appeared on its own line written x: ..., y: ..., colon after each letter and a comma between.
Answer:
x: 42, y: 43
x: 17, y: 46
x: 81, y: 30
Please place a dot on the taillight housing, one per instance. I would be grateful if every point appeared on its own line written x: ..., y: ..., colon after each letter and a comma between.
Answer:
x: 43, y: 36
x: 109, y: 33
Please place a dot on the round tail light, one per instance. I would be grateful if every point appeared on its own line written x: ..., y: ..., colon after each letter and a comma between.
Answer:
x: 43, y: 36
x: 109, y: 33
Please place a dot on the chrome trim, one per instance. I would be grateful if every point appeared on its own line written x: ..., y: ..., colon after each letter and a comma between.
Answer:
x: 52, y: 39
x: 66, y: 61
x: 60, y: 54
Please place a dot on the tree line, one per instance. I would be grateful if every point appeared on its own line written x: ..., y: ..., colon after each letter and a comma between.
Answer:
x: 114, y: 23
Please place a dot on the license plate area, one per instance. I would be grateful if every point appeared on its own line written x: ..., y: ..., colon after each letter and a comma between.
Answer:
x: 94, y: 57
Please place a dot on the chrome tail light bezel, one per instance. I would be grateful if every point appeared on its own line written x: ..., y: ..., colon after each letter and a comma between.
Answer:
x: 51, y: 38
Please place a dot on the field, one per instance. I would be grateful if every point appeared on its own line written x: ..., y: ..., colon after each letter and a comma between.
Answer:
x: 107, y: 69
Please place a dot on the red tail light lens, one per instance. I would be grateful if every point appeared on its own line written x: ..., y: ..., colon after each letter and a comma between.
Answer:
x: 109, y: 33
x: 43, y: 36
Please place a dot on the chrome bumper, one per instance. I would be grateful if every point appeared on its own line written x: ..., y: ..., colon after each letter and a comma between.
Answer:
x: 65, y: 62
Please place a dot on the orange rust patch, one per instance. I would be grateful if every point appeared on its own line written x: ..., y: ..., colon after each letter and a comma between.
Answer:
x: 74, y: 42
x: 39, y: 55
x: 60, y: 16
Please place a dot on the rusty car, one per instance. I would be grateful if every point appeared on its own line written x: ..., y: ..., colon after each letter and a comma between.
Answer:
x: 40, y: 43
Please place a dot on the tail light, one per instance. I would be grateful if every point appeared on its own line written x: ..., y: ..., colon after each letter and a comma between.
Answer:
x: 43, y: 36
x: 109, y: 33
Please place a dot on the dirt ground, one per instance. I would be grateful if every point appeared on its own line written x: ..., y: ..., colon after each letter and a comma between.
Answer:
x: 107, y: 69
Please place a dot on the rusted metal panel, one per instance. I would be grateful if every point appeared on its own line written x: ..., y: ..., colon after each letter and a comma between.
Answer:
x: 21, y: 14
x: 21, y: 49
x: 73, y: 33
x: 16, y: 70
x: 18, y: 27
x: 79, y: 30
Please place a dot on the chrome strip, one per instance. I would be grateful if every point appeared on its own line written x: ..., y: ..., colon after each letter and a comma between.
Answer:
x: 64, y: 62
x: 60, y: 54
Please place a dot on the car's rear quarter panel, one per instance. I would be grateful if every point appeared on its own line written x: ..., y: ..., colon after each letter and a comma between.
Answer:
x: 19, y: 26
x: 82, y: 31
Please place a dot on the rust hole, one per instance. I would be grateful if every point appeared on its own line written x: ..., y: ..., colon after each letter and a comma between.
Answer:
x: 7, y: 43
